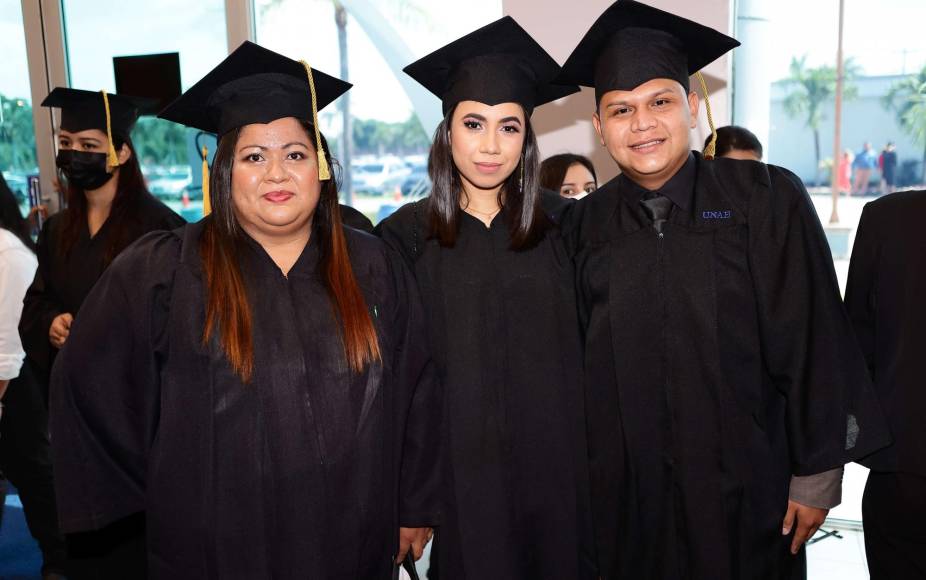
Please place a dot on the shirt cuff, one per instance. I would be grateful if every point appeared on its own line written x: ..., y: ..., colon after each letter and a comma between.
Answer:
x: 821, y: 490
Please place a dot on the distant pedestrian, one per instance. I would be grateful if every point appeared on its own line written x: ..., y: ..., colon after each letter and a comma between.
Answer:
x: 888, y: 164
x: 865, y: 162
x: 844, y: 173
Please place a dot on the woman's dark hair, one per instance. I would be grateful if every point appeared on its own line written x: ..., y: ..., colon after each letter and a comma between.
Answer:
x: 124, y: 219
x: 734, y: 137
x: 10, y: 216
x: 227, y: 311
x: 520, y: 196
x: 553, y: 169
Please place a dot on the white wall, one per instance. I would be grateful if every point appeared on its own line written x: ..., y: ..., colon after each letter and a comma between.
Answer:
x: 565, y: 126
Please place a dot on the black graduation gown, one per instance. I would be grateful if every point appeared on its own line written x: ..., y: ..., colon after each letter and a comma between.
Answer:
x: 505, y: 336
x: 886, y: 298
x: 719, y: 361
x: 353, y: 218
x: 62, y: 282
x: 306, y: 472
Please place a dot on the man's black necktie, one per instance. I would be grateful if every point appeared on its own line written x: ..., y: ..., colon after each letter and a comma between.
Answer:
x: 657, y: 207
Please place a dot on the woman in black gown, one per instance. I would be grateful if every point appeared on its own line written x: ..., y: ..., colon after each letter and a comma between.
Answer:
x: 257, y: 383
x: 108, y: 207
x: 498, y: 292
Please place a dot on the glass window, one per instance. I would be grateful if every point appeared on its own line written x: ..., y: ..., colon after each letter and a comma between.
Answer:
x: 882, y: 146
x: 99, y: 30
x: 17, y: 135
x: 384, y: 160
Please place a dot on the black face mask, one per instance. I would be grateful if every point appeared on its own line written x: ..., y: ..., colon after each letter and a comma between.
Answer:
x: 83, y: 169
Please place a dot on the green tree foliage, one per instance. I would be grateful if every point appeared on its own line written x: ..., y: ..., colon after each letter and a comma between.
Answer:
x: 378, y: 138
x: 160, y: 142
x: 17, y: 136
x: 812, y: 90
x: 907, y: 99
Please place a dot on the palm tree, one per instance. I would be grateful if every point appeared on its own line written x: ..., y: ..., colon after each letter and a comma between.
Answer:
x: 907, y: 98
x: 813, y: 89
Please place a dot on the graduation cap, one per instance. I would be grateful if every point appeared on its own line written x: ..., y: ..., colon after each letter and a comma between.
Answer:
x: 632, y: 43
x: 256, y: 85
x: 156, y: 76
x: 111, y: 113
x: 498, y: 63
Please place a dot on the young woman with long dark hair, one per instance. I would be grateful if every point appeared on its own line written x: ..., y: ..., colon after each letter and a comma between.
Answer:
x: 108, y: 208
x: 498, y: 292
x: 263, y: 390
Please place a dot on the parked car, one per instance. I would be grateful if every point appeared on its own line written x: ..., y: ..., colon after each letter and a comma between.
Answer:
x: 377, y: 176
x: 417, y: 183
x: 169, y: 184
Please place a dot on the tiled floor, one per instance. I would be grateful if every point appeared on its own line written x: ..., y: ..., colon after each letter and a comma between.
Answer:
x: 838, y: 558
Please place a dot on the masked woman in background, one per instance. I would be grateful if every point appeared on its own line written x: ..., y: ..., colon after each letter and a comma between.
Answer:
x: 498, y: 290
x: 257, y: 383
x: 108, y: 207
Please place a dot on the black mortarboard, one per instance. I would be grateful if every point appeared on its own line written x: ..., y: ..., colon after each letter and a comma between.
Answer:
x: 156, y: 76
x: 499, y: 63
x: 253, y: 85
x: 82, y: 110
x: 111, y: 113
x: 632, y: 43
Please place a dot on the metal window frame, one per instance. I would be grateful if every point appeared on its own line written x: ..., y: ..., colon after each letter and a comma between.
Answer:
x: 46, y: 55
x: 43, y: 26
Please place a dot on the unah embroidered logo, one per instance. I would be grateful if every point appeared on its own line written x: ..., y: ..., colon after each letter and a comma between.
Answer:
x: 717, y: 215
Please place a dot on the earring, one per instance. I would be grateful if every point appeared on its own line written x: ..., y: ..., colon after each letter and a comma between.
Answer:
x: 521, y: 178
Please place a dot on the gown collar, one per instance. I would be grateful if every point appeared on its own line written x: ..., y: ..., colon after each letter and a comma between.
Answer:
x: 680, y: 187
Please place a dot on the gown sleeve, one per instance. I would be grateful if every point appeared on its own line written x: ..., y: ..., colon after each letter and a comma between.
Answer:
x: 832, y: 416
x: 860, y: 300
x: 420, y: 448
x: 105, y: 387
x: 41, y: 304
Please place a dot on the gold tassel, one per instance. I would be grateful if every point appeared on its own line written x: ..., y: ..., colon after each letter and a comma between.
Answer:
x: 207, y: 206
x: 324, y: 172
x: 112, y: 160
x: 711, y: 147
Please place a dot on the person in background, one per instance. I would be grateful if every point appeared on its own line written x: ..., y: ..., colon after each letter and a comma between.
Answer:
x: 735, y: 142
x: 865, y: 162
x: 568, y: 174
x: 24, y: 452
x: 499, y: 292
x: 258, y: 384
x: 724, y: 388
x: 108, y: 208
x: 844, y: 172
x: 887, y: 161
x: 884, y: 297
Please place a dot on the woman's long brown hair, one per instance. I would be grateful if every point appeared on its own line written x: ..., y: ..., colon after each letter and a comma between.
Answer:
x: 227, y: 309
